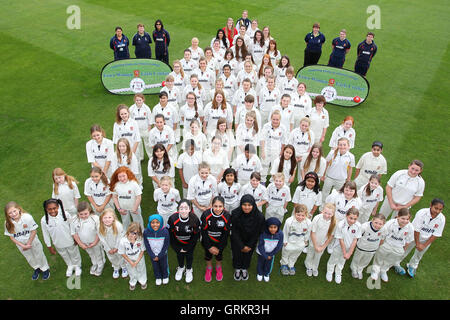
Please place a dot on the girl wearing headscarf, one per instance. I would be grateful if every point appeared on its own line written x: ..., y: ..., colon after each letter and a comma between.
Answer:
x: 247, y: 224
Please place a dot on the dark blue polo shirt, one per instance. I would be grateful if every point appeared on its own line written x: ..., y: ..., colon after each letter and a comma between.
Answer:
x: 314, y: 44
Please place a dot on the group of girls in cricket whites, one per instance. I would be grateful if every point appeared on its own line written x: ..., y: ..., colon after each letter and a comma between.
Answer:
x: 237, y: 129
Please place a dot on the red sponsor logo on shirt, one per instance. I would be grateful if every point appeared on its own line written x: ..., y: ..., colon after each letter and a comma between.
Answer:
x: 405, y: 233
x: 25, y: 226
x: 106, y: 149
x: 353, y: 231
x: 283, y: 194
x: 436, y: 225
x: 323, y: 117
x: 129, y: 191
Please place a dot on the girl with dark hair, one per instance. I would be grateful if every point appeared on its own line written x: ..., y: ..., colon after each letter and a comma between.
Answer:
x: 229, y: 189
x: 56, y: 228
x: 308, y: 193
x: 216, y: 224
x: 160, y: 165
x: 248, y: 223
x: 184, y: 229
x: 162, y: 41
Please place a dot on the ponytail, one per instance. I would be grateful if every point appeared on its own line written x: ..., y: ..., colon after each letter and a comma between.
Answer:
x: 59, y: 203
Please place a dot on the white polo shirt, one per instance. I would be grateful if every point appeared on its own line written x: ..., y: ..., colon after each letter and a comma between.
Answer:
x: 252, y: 76
x: 339, y: 132
x: 99, y: 153
x: 132, y: 251
x: 287, y: 115
x: 86, y: 229
x: 278, y: 197
x: 259, y: 193
x: 229, y: 84
x: 268, y: 99
x: 217, y: 162
x: 67, y: 195
x: 188, y: 66
x: 169, y: 112
x: 273, y: 137
x: 286, y: 169
x: 302, y: 105
x: 196, y: 54
x: 427, y: 226
x: 142, y: 116
x: 174, y: 96
x: 302, y: 141
x: 369, y: 165
x: 201, y: 143
x: 404, y: 187
x: 187, y: 114
x: 127, y: 193
x: 347, y: 233
x: 167, y: 202
x: 179, y: 82
x: 370, y: 238
x: 320, y: 227
x: 312, y: 165
x: 241, y: 112
x: 289, y: 87
x: 200, y: 94
x: 368, y: 202
x: 189, y: 164
x: 165, y: 137
x: 213, y: 115
x: 342, y: 204
x: 238, y: 98
x: 396, y: 236
x: 245, y: 167
x: 307, y: 197
x: 338, y: 168
x: 319, y: 121
x: 111, y: 240
x: 202, y: 190
x: 128, y: 130
x: 22, y: 228
x: 246, y: 135
x: 206, y: 78
x: 98, y: 191
x: 230, y: 194
x: 57, y: 231
x: 159, y: 171
x: 133, y: 166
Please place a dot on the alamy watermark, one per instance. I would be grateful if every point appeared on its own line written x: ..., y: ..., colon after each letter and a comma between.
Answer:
x: 74, y: 20
x: 374, y: 20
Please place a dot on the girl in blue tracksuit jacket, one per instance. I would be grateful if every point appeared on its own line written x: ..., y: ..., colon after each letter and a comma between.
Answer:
x: 156, y: 240
x: 270, y: 242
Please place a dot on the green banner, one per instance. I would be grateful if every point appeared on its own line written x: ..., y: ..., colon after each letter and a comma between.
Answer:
x: 341, y: 87
x: 133, y: 76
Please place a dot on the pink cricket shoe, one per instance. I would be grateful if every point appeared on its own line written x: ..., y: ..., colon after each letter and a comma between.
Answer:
x: 219, y: 273
x: 208, y: 274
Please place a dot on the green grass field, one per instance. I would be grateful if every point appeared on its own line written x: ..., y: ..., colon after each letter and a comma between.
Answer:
x: 51, y: 95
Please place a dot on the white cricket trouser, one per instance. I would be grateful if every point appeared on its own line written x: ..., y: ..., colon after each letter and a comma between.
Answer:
x: 336, y: 262
x: 361, y: 259
x: 138, y: 273
x: 312, y: 259
x: 117, y: 261
x: 360, y: 182
x: 277, y: 212
x: 231, y: 207
x: 137, y: 217
x: 143, y: 144
x: 417, y: 256
x: 264, y: 117
x: 386, y: 257
x: 329, y: 184
x: 110, y: 204
x: 71, y: 255
x: 97, y: 255
x: 364, y: 215
x: 35, y: 256
x: 271, y: 156
x: 291, y: 252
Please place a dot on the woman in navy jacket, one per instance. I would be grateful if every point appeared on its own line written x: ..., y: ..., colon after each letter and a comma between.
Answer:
x: 162, y: 40
x: 314, y: 41
x: 119, y: 43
